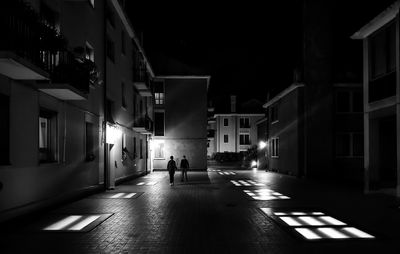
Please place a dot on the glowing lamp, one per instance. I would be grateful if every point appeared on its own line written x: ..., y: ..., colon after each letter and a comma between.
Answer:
x: 253, y: 164
x: 112, y: 133
x: 262, y: 144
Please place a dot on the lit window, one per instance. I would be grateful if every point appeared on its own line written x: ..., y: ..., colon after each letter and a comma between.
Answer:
x: 159, y: 150
x: 159, y: 93
x: 89, y: 51
x: 47, y: 136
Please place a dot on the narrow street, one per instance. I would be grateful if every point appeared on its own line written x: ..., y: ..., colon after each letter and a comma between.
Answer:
x: 218, y: 211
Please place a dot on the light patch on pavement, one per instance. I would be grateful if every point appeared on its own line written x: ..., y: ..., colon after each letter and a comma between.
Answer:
x: 246, y: 183
x: 72, y: 223
x: 227, y: 173
x: 265, y: 194
x: 123, y: 195
x: 316, y: 225
x: 146, y: 183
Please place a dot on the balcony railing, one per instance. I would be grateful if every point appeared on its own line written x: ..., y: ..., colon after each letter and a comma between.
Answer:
x: 143, y: 124
x: 29, y: 38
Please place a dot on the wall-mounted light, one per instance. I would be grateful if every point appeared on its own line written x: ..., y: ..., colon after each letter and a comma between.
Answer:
x: 113, y: 133
x: 262, y: 145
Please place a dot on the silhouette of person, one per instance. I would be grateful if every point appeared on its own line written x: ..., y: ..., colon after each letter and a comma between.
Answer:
x: 171, y: 167
x: 184, y: 168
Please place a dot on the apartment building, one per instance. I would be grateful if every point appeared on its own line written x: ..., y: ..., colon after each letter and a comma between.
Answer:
x: 180, y: 120
x: 76, y: 101
x: 381, y: 94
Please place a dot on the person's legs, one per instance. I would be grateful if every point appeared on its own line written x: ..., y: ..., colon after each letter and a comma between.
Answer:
x: 171, y: 178
x: 182, y: 175
x: 186, y: 175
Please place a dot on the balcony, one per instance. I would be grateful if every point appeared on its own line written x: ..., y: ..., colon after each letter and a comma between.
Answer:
x: 141, y: 81
x: 33, y: 50
x: 143, y: 125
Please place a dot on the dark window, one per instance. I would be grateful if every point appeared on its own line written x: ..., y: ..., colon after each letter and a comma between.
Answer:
x: 383, y: 51
x: 123, y: 43
x: 226, y: 121
x: 274, y: 113
x: 358, y: 144
x: 123, y: 101
x: 159, y: 124
x: 343, y: 144
x: 4, y: 129
x: 343, y: 101
x: 275, y: 147
x: 358, y: 101
x: 244, y: 139
x: 90, y: 141
x: 226, y: 139
x: 244, y: 122
x: 47, y: 136
x: 134, y: 147
x: 110, y: 49
x: 110, y: 16
x: 141, y: 149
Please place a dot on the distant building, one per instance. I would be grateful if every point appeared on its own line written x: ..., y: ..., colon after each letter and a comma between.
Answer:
x: 180, y: 120
x: 233, y: 131
x: 381, y: 90
x: 285, y: 131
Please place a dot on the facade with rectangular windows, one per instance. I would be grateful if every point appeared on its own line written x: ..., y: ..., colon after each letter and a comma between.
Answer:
x: 381, y: 107
x: 286, y: 131
x: 235, y: 132
x: 180, y: 121
x: 71, y: 112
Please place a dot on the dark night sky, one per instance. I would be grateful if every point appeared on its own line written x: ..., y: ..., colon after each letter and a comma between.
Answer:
x: 248, y: 49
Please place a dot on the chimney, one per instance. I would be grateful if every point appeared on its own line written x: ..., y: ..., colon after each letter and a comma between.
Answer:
x: 233, y: 103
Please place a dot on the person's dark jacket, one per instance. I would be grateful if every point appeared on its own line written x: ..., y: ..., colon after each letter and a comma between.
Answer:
x: 184, y: 163
x: 171, y: 167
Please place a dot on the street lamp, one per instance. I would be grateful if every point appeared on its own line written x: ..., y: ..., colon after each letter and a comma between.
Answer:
x: 262, y: 145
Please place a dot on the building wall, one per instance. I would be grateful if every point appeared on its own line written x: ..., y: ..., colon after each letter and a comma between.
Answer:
x: 185, y: 122
x: 288, y: 131
x: 262, y: 136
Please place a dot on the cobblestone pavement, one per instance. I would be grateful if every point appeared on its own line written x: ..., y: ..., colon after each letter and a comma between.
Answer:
x: 210, y: 214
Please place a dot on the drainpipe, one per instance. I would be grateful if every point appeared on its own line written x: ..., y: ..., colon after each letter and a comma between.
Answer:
x: 105, y: 95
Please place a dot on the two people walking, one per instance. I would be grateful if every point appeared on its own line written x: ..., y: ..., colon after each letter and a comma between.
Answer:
x: 171, y: 167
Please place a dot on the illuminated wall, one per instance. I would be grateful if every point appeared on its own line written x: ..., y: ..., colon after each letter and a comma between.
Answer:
x: 185, y: 122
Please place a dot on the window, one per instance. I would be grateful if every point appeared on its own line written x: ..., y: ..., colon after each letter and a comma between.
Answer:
x: 244, y: 139
x: 274, y: 113
x: 4, y: 129
x: 349, y: 101
x: 275, y: 147
x: 159, y: 93
x: 226, y: 121
x: 159, y: 124
x: 383, y: 52
x: 244, y: 122
x: 110, y: 49
x: 349, y: 144
x: 90, y: 141
x: 134, y: 147
x: 110, y: 16
x: 159, y: 150
x: 123, y: 43
x: 123, y: 101
x: 226, y: 138
x: 47, y: 136
x: 89, y: 51
x: 141, y: 148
